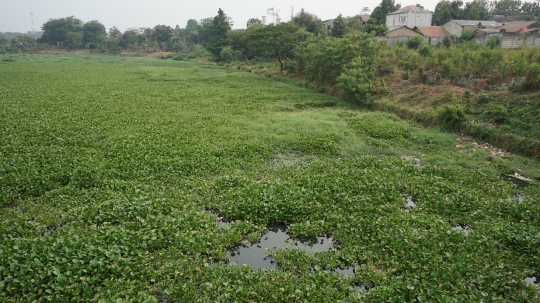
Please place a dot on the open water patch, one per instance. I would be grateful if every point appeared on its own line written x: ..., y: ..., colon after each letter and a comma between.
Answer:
x: 276, y: 237
x: 519, y: 181
x: 53, y: 228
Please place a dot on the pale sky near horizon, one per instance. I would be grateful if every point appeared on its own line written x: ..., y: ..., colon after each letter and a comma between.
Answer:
x: 15, y: 14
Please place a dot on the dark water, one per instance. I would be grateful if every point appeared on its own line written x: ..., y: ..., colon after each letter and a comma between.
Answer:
x: 461, y: 228
x: 276, y: 237
x: 517, y: 181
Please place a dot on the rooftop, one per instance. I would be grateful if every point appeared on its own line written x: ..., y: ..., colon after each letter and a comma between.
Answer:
x: 431, y: 31
x: 517, y: 26
x: 476, y: 22
x: 412, y: 8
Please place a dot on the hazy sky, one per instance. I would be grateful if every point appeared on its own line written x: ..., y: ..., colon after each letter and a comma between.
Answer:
x: 15, y: 14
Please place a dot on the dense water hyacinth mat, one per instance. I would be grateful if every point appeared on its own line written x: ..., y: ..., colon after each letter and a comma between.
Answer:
x: 134, y: 179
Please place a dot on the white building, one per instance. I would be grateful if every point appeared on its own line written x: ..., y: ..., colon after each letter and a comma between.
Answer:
x: 409, y: 16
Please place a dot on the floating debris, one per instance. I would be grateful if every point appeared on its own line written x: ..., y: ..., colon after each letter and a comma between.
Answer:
x: 533, y: 281
x: 461, y: 228
x: 409, y: 203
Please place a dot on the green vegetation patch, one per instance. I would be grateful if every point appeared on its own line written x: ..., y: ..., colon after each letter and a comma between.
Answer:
x: 112, y: 171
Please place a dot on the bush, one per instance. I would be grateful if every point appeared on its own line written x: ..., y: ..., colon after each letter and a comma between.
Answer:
x: 415, y: 42
x: 451, y: 116
x: 449, y: 40
x: 493, y: 42
x: 355, y: 82
x: 467, y: 34
x: 425, y: 50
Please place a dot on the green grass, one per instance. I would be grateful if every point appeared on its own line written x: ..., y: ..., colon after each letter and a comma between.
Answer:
x: 123, y: 159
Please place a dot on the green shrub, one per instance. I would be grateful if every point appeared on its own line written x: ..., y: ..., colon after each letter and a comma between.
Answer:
x: 449, y: 40
x: 415, y: 42
x: 451, y: 116
x: 467, y: 34
x: 425, y: 50
x: 493, y: 42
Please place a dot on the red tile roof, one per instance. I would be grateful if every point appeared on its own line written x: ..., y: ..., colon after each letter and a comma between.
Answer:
x: 513, y: 27
x: 431, y: 31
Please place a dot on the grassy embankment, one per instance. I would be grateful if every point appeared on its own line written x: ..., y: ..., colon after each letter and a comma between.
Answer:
x: 490, y: 94
x: 109, y: 167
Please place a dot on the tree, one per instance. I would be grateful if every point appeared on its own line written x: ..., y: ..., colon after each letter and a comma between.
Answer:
x: 386, y: 7
x: 162, y: 33
x: 74, y: 40
x: 129, y: 38
x: 506, y: 7
x: 192, y: 25
x: 310, y: 22
x: 253, y: 21
x: 275, y: 15
x: 476, y: 10
x: 114, y: 32
x: 531, y: 10
x: 372, y: 26
x: 447, y: 10
x: 55, y: 31
x: 274, y: 41
x: 93, y: 33
x: 365, y: 10
x: 340, y: 27
x: 216, y: 33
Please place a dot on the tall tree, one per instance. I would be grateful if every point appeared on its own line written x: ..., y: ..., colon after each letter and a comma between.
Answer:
x: 447, y: 10
x: 55, y: 31
x: 274, y: 41
x: 476, y: 10
x: 114, y: 32
x: 93, y: 32
x: 386, y: 7
x: 310, y: 22
x: 372, y: 26
x: 216, y: 33
x: 340, y: 27
x: 162, y: 33
x: 192, y: 25
x: 253, y: 21
x: 506, y: 7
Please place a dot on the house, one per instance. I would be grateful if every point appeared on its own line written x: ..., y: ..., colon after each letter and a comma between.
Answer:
x: 431, y: 31
x: 401, y: 31
x: 486, y: 32
x: 362, y: 18
x: 409, y: 16
x: 456, y: 27
x: 520, y: 27
x: 328, y: 24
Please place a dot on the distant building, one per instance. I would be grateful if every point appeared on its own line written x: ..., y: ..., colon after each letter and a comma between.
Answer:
x: 362, y: 18
x: 328, y: 24
x: 401, y: 31
x: 456, y: 27
x: 431, y: 31
x: 409, y: 16
x: 520, y: 27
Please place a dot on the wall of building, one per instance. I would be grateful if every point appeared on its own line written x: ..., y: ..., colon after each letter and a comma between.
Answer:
x: 409, y: 19
x: 403, y: 31
x: 508, y: 40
